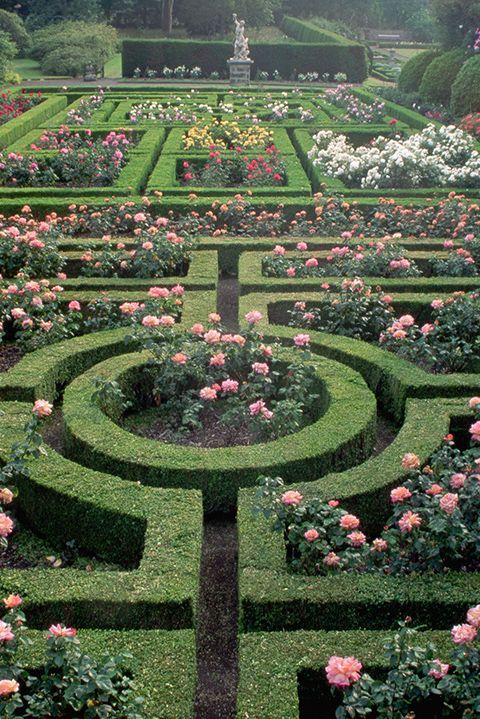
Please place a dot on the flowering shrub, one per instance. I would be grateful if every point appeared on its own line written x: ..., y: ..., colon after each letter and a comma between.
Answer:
x: 433, y: 525
x: 16, y: 466
x: 443, y: 157
x: 355, y: 109
x: 175, y: 111
x: 355, y: 311
x: 12, y: 105
x: 32, y: 250
x: 159, y: 252
x: 460, y: 261
x: 85, y: 108
x: 416, y: 681
x: 471, y: 124
x: 105, y: 314
x: 226, y: 135
x: 373, y: 259
x: 241, y: 380
x: 451, y: 343
x: 239, y: 169
x: 80, y: 160
x: 70, y: 683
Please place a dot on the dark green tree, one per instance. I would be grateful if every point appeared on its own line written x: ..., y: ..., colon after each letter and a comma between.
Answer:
x: 8, y: 50
x: 456, y: 20
x: 46, y: 12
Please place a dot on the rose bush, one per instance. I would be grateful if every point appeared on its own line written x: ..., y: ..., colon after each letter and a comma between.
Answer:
x: 238, y: 169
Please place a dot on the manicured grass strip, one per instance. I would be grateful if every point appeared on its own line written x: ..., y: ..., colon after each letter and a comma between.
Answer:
x: 275, y: 666
x: 156, y: 535
x: 96, y: 441
x: 163, y: 665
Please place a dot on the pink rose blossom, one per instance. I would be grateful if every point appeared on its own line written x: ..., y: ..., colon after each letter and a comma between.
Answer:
x: 292, y: 498
x: 6, y: 495
x: 150, y: 321
x: 473, y: 616
x: 167, y: 321
x: 437, y: 304
x: 42, y: 408
x: 8, y: 686
x: 379, y: 545
x: 12, y: 601
x: 333, y: 503
x: 217, y: 360
x: 440, y: 670
x: 357, y: 539
x: 301, y: 340
x: 457, y: 480
x: 331, y: 560
x: 433, y: 490
x: 409, y: 521
x: 343, y: 671
x: 260, y: 368
x: 311, y: 535
x: 302, y: 246
x: 475, y: 431
x: 253, y: 317
x: 400, y: 494
x: 178, y: 290
x: 6, y: 525
x: 410, y: 461
x: 214, y: 318
x: 449, y: 502
x: 179, y: 358
x: 279, y: 250
x: 6, y: 634
x: 349, y: 521
x: 208, y: 393
x: 74, y: 306
x: 59, y: 630
x: 197, y: 329
x: 474, y: 402
x: 212, y: 337
x: 311, y: 262
x: 158, y: 292
x: 229, y: 385
x: 463, y: 633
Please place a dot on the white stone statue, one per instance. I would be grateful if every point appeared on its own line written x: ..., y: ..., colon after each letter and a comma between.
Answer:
x: 241, y: 50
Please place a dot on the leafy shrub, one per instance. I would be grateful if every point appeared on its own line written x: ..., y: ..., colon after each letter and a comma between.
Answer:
x: 8, y: 50
x: 437, y: 81
x: 13, y: 25
x: 466, y: 88
x: 414, y: 69
x: 66, y: 48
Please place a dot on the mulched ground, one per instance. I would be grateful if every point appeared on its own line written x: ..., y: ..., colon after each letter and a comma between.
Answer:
x: 9, y: 356
x: 212, y: 434
x: 386, y: 433
x: 217, y: 651
x: 12, y: 558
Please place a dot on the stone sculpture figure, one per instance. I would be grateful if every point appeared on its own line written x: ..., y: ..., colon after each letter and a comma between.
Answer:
x: 241, y: 50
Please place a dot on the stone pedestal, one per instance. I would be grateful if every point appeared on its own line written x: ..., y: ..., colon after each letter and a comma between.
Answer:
x: 239, y: 71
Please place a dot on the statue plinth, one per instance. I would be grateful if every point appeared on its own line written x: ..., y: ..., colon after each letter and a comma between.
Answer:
x: 239, y: 71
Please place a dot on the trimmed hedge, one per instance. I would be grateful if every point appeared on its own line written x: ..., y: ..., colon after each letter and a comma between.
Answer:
x: 412, y: 72
x: 29, y: 120
x: 156, y: 531
x: 92, y: 439
x: 163, y: 665
x: 331, y: 57
x: 466, y: 88
x: 438, y: 78
x: 279, y: 670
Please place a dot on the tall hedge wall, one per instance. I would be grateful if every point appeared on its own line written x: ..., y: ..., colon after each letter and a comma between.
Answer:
x: 331, y: 57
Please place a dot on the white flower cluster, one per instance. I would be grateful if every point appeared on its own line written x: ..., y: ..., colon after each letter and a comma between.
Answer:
x: 442, y: 157
x: 176, y: 111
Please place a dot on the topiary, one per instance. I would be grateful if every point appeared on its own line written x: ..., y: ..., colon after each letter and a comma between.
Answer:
x: 13, y: 25
x: 466, y: 88
x: 412, y: 72
x: 437, y: 81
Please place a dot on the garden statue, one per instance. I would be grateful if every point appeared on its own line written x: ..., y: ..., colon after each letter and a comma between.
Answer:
x: 240, y: 48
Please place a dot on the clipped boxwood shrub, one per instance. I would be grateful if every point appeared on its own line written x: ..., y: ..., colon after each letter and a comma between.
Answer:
x: 466, y: 88
x: 413, y: 71
x: 437, y: 81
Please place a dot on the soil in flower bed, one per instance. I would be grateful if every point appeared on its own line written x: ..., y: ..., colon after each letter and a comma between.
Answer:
x: 385, y: 434
x: 9, y: 356
x: 27, y: 551
x: 212, y: 434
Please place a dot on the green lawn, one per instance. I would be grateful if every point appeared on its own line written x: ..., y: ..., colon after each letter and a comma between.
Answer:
x: 27, y: 68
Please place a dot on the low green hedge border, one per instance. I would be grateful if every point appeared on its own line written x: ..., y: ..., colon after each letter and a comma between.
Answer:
x: 19, y: 126
x: 163, y: 665
x: 273, y: 597
x: 252, y: 279
x: 92, y: 439
x: 276, y: 666
x: 39, y: 373
x: 157, y: 531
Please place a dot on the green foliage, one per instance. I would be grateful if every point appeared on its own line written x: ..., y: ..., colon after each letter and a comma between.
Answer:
x: 455, y: 20
x: 207, y: 17
x: 466, y: 88
x: 13, y: 25
x: 44, y: 14
x: 8, y: 50
x: 414, y: 69
x: 258, y: 12
x: 437, y: 81
x: 66, y: 48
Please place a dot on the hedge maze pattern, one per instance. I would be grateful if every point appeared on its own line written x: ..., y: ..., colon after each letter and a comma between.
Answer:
x: 140, y: 504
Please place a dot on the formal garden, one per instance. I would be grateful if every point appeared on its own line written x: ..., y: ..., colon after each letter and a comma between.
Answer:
x: 240, y: 372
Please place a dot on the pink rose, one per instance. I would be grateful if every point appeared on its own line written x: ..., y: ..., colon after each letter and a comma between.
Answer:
x: 301, y: 340
x: 333, y: 503
x: 178, y: 290
x: 410, y: 461
x: 357, y: 539
x: 6, y: 495
x: 74, y: 306
x: 311, y: 262
x: 8, y: 686
x: 292, y: 498
x: 409, y: 521
x: 197, y: 329
x: 6, y: 634
x: 331, y: 560
x: 457, y: 480
x: 437, y: 304
x: 212, y: 337
x: 343, y: 671
x: 59, y: 630
x: 349, y: 521
x: 179, y: 358
x: 379, y: 545
x: 475, y: 431
x: 150, y: 321
x: 400, y: 494
x: 253, y: 317
x: 158, y: 292
x: 229, y: 385
x: 208, y: 393
x: 214, y: 317
x: 279, y: 250
x: 473, y: 616
x: 12, y: 601
x: 260, y: 368
x: 440, y: 670
x: 448, y: 503
x: 42, y: 408
x: 167, y: 321
x: 311, y: 535
x: 302, y: 246
x: 433, y: 490
x: 463, y: 633
x: 217, y: 360
x: 474, y: 402
x: 6, y: 525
